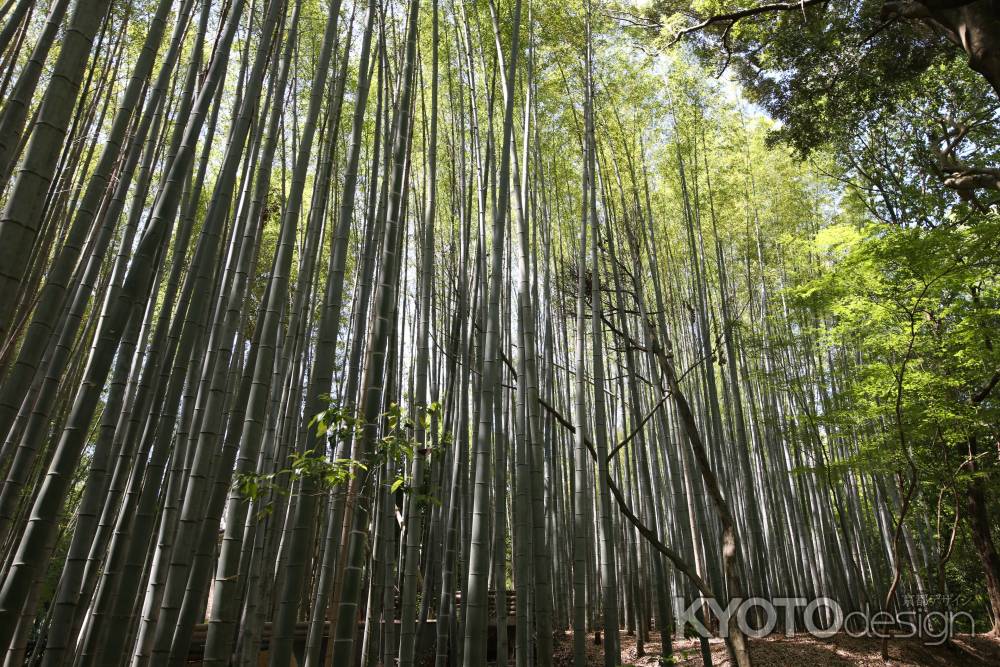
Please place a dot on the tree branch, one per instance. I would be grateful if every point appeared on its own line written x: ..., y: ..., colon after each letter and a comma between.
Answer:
x: 676, y: 558
x: 983, y: 393
x: 733, y: 17
x: 638, y: 428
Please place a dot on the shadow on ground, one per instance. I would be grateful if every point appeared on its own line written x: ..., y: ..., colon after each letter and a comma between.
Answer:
x: 839, y: 650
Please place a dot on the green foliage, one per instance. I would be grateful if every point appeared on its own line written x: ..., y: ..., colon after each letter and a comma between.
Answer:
x: 909, y: 313
x: 336, y: 422
x: 820, y: 69
x: 327, y: 473
x: 400, y: 444
x: 322, y: 471
x: 896, y: 102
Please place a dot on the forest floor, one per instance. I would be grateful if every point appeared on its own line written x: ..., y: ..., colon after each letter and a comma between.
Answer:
x: 804, y: 650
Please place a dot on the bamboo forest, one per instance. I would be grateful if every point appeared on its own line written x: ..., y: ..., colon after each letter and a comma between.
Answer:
x: 356, y: 333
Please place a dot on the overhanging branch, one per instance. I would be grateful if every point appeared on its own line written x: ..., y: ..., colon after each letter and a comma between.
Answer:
x: 734, y: 16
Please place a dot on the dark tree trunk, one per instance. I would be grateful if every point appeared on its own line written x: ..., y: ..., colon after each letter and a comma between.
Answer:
x: 972, y: 26
x: 982, y: 537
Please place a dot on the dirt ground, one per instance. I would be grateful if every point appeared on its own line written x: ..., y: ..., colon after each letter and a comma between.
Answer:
x: 840, y: 650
